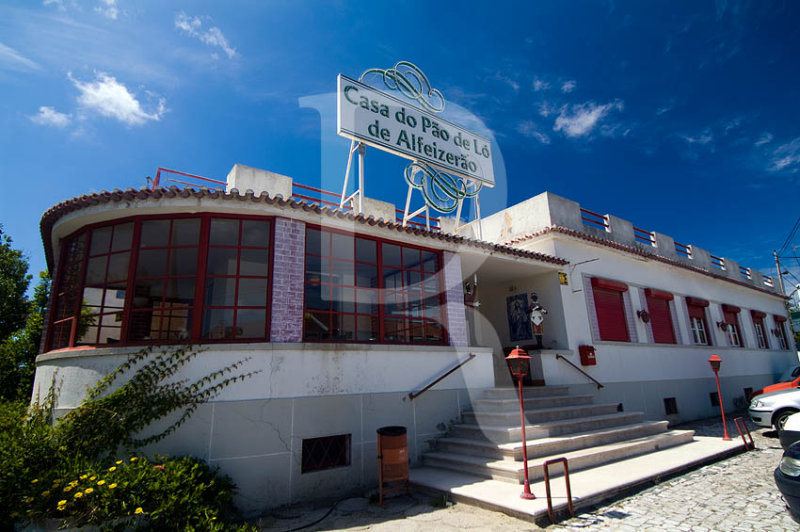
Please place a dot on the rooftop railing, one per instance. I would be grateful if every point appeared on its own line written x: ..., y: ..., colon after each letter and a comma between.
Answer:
x: 592, y: 219
x: 645, y: 237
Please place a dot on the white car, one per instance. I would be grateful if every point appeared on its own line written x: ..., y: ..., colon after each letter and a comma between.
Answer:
x: 773, y: 409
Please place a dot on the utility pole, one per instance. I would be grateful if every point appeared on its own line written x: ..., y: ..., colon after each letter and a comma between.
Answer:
x: 780, y: 275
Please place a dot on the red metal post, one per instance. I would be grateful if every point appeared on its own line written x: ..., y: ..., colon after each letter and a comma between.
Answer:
x: 546, y: 467
x: 526, y: 492
x: 752, y: 444
x: 715, y: 362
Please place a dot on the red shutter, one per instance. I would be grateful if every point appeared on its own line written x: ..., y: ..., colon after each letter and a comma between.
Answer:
x: 731, y: 308
x: 610, y: 314
x: 660, y: 319
x: 608, y: 284
x: 658, y: 294
x: 780, y: 319
x: 696, y: 302
x: 758, y: 314
x: 696, y: 312
x: 730, y: 317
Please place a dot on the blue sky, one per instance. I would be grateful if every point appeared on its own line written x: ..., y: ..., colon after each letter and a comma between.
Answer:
x: 679, y: 116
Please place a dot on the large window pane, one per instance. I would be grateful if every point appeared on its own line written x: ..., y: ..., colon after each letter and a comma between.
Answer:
x: 155, y: 233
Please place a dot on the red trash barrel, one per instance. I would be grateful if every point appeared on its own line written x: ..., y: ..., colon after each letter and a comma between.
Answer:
x: 392, y: 460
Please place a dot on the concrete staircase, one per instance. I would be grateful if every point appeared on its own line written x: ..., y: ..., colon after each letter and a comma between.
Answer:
x: 488, y: 442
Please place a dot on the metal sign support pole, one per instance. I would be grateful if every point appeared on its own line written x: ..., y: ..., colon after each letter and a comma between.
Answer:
x: 362, y: 150
x: 360, y: 191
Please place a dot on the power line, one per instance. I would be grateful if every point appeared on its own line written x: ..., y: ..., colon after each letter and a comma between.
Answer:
x: 791, y: 235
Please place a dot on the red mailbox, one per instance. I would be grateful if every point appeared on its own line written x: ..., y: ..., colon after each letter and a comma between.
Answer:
x: 587, y: 355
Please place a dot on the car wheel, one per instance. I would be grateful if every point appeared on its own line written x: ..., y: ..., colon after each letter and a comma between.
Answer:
x: 780, y: 419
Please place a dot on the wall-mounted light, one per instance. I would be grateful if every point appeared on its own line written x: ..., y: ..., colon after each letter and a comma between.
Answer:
x: 643, y: 315
x: 722, y: 326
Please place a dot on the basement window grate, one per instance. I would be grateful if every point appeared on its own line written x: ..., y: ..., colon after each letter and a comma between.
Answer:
x: 714, y: 396
x: 325, y: 453
x: 670, y: 406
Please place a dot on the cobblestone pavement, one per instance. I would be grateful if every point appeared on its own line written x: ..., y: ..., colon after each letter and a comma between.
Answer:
x: 736, y: 494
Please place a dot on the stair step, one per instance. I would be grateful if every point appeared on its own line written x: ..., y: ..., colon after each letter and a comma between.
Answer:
x: 531, y: 403
x: 546, y: 446
x: 527, y: 391
x: 539, y: 415
x: 506, y: 434
x: 512, y: 471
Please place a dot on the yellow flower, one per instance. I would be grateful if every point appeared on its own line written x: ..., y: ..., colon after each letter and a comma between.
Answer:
x: 45, y: 493
x: 62, y: 502
x: 67, y: 488
x: 73, y: 483
x: 13, y: 515
x: 133, y: 458
x: 78, y: 495
x: 112, y: 486
x: 87, y: 491
x: 118, y: 462
x: 101, y: 482
x: 139, y: 510
x: 34, y: 481
x: 84, y: 477
x: 28, y: 499
x: 92, y: 478
x: 113, y: 468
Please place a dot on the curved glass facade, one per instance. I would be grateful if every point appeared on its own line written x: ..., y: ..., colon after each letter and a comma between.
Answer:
x: 178, y: 279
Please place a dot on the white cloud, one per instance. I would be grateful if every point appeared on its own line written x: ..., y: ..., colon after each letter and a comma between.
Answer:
x: 540, y: 85
x: 193, y: 26
x: 58, y: 3
x: 50, y: 117
x: 546, y: 109
x: 568, y: 86
x: 108, y: 8
x: 110, y: 98
x: 529, y: 129
x: 786, y: 157
x: 766, y: 138
x: 579, y: 120
x: 705, y: 137
x: 15, y: 60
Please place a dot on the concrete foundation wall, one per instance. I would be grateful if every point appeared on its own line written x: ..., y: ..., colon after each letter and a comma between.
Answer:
x: 254, y: 430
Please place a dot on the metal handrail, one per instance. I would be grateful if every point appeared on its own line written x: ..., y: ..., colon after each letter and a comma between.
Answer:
x: 579, y: 369
x: 414, y: 395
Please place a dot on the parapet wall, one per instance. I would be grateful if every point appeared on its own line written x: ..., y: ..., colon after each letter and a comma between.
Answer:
x: 549, y: 210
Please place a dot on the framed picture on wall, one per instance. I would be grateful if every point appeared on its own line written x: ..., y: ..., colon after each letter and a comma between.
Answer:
x: 519, y: 326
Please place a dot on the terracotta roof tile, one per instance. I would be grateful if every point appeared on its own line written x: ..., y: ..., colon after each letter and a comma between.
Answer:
x: 53, y: 214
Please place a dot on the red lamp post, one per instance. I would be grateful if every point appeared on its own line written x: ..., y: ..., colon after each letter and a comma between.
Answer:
x: 518, y: 362
x: 715, y: 363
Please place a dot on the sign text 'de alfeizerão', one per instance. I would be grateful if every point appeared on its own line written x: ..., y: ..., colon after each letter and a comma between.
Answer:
x: 377, y: 119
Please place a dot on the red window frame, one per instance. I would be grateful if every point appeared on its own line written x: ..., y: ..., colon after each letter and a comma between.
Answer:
x: 762, y: 340
x: 609, y: 304
x: 401, y: 313
x: 781, y: 331
x: 697, y: 311
x: 70, y: 281
x: 660, y: 315
x: 733, y: 332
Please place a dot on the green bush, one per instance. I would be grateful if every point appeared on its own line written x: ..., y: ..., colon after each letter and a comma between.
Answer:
x: 164, y: 494
x: 63, y: 470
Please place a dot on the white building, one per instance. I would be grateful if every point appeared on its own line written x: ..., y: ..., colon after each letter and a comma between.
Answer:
x: 345, y: 315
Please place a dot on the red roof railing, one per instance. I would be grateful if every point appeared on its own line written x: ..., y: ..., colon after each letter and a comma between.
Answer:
x: 645, y: 237
x: 157, y: 182
x: 683, y: 250
x: 592, y: 219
